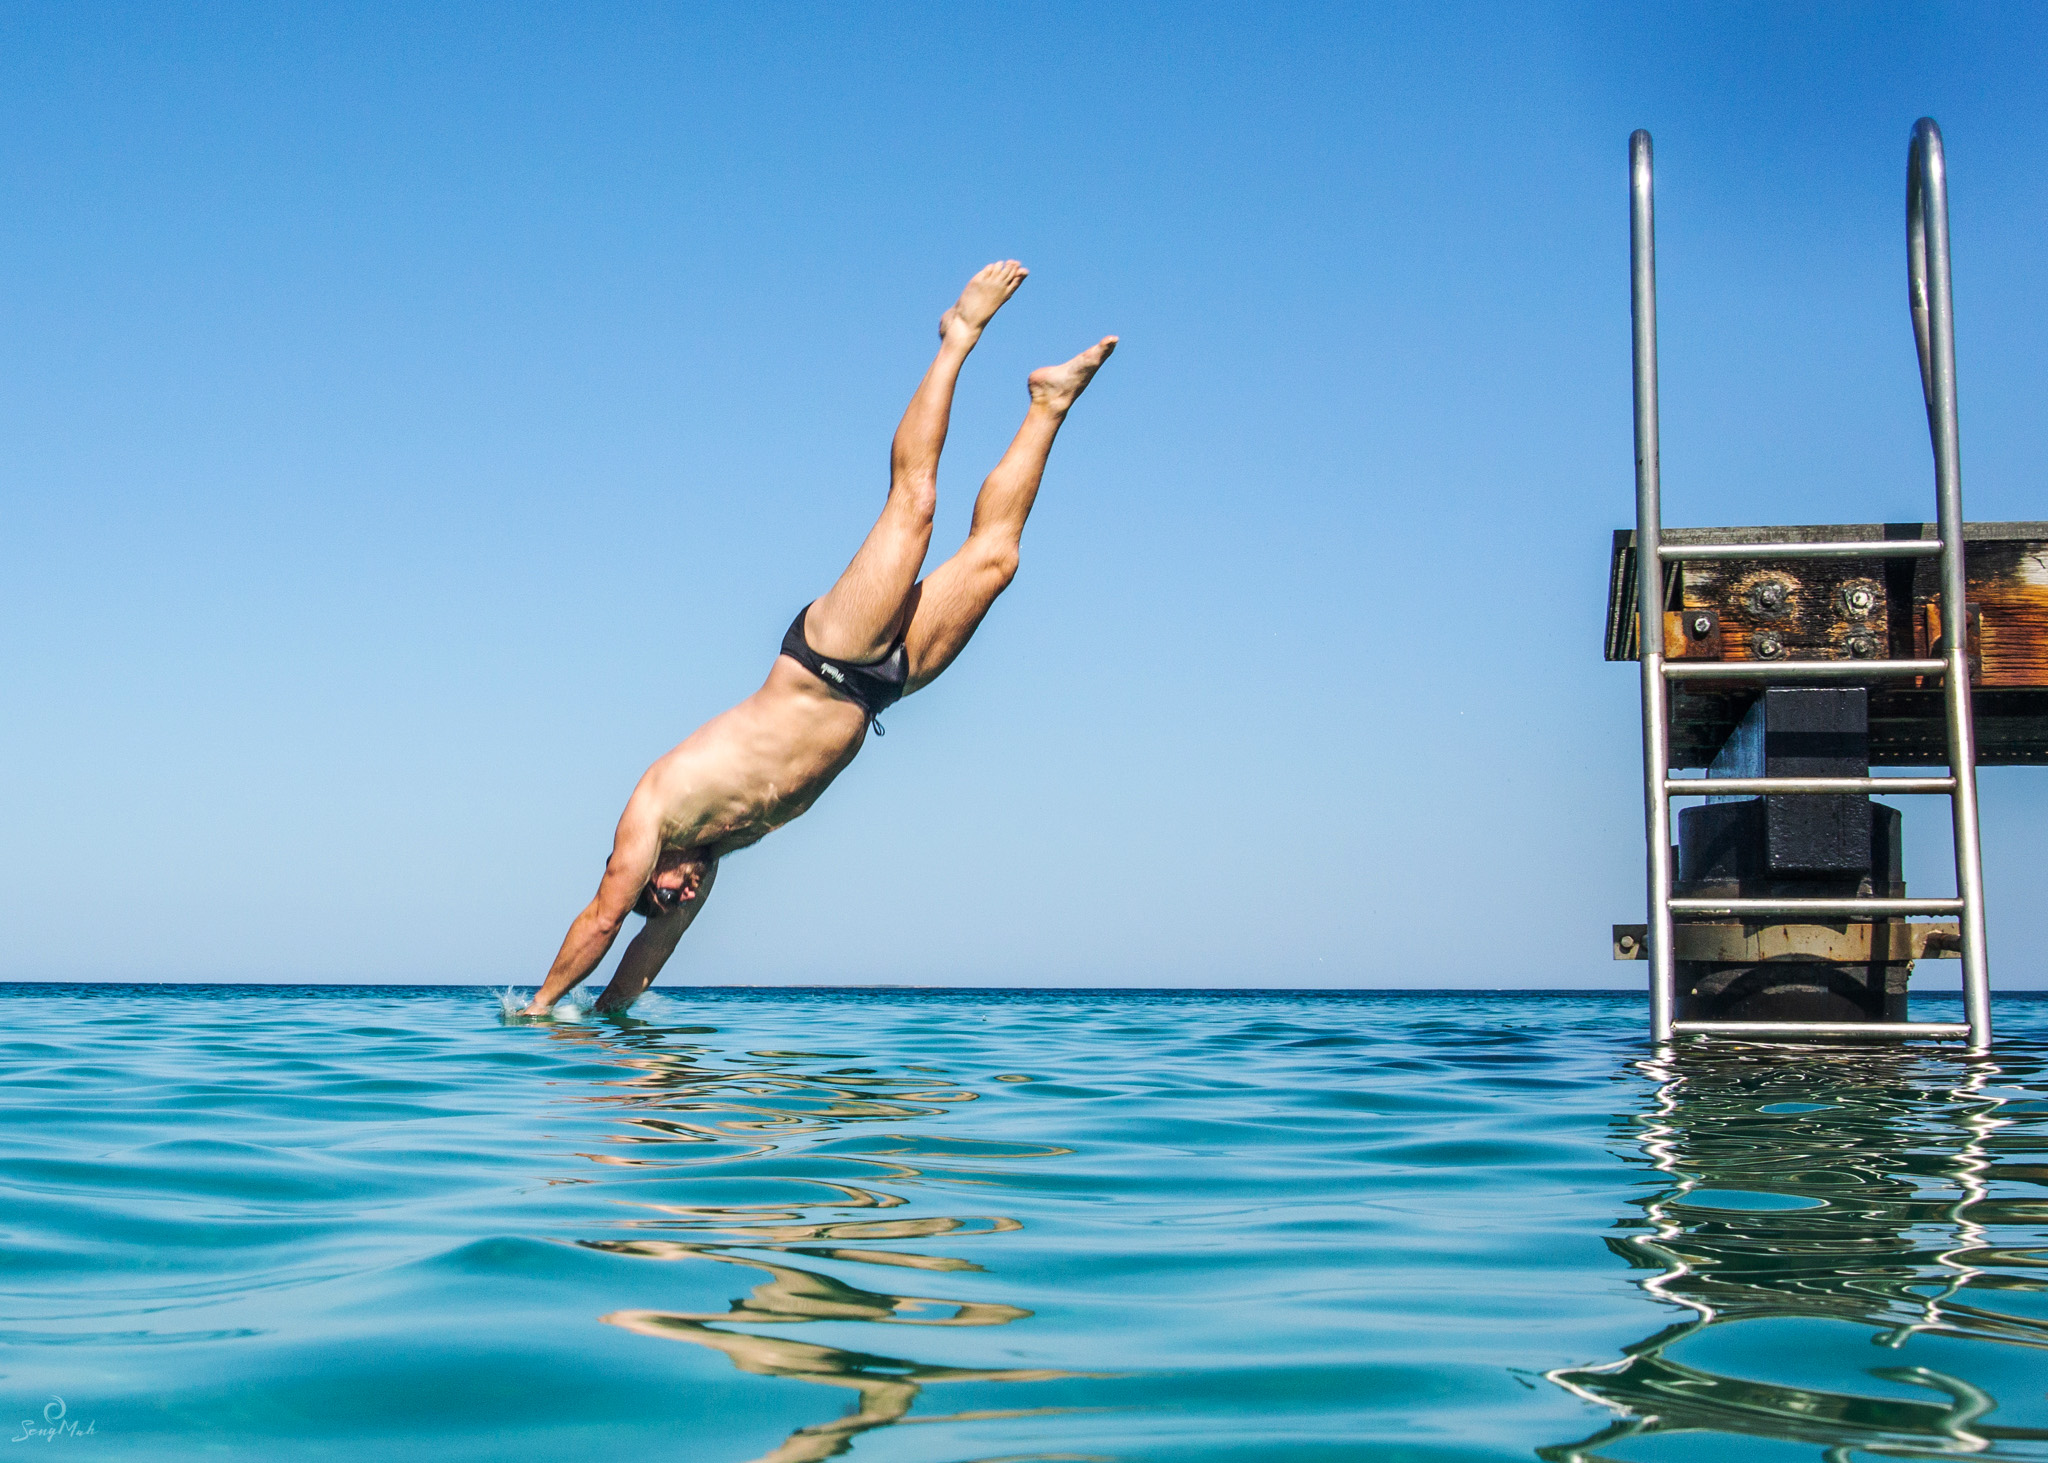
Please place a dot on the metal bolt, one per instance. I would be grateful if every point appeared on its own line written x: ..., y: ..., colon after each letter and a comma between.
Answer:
x: 1769, y: 646
x: 1860, y: 599
x: 1769, y: 598
x: 1627, y: 942
x: 1862, y: 647
x: 1701, y: 624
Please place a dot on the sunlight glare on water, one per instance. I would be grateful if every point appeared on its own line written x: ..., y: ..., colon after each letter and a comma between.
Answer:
x: 973, y: 1225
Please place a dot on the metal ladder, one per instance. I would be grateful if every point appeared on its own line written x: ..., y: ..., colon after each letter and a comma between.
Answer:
x: 1927, y: 267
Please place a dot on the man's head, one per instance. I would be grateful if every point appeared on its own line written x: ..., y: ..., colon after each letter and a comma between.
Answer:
x: 678, y: 875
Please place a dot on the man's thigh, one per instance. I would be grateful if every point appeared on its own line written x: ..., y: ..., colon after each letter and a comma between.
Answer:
x: 947, y: 608
x: 858, y: 619
x: 861, y: 615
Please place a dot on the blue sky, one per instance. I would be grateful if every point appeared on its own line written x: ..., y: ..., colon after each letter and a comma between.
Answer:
x: 418, y: 418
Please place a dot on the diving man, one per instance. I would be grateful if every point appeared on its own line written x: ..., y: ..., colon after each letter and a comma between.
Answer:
x: 878, y: 634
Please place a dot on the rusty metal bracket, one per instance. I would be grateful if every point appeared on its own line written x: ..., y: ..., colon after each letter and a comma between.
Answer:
x: 1692, y: 635
x: 1931, y: 636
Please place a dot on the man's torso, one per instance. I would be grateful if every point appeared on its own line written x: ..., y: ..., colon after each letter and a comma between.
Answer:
x: 749, y: 770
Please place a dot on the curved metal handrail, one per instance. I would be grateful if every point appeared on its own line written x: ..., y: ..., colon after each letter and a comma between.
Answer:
x: 1934, y: 334
x: 1926, y: 181
x: 1927, y: 274
x: 1642, y: 264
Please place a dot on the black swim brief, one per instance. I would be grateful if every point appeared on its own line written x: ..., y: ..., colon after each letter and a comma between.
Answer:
x: 875, y: 685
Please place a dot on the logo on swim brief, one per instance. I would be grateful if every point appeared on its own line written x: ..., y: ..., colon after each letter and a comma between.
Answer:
x: 833, y: 671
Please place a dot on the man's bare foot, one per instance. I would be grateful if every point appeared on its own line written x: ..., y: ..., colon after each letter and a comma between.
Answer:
x: 985, y: 294
x: 1057, y: 387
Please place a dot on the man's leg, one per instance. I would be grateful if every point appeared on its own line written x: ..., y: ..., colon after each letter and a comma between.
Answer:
x: 949, y: 605
x: 859, y: 618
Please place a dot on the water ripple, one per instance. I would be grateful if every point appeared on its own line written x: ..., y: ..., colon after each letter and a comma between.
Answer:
x: 333, y: 1223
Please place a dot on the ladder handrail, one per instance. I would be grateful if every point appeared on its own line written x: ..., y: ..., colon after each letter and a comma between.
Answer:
x: 1934, y: 336
x: 1642, y: 264
x: 1922, y: 184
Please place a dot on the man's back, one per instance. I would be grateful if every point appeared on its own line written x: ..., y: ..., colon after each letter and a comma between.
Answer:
x: 747, y: 771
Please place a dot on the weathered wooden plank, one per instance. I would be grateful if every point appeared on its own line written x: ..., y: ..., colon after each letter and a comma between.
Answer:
x: 2009, y: 588
x: 1786, y: 609
x: 1851, y: 609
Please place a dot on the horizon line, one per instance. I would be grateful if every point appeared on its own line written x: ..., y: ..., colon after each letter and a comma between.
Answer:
x: 497, y: 986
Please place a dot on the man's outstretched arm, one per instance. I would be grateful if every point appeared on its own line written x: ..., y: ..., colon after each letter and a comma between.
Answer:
x: 591, y: 934
x: 651, y: 948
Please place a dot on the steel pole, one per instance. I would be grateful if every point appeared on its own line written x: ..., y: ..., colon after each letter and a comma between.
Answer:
x: 1642, y: 256
x: 1934, y: 331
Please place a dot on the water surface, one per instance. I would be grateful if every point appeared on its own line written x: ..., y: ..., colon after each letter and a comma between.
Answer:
x: 249, y: 1222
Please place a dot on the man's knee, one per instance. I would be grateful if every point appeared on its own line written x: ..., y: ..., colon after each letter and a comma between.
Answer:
x: 916, y: 495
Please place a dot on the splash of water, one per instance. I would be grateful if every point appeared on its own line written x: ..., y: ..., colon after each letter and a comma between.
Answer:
x: 575, y: 1006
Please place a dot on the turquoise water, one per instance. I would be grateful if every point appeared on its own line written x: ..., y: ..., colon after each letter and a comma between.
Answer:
x: 365, y: 1223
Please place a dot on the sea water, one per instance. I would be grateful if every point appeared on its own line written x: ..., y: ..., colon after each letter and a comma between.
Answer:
x: 327, y: 1223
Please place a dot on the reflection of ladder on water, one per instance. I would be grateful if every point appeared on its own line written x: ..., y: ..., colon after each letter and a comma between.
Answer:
x: 1934, y: 329
x: 1820, y: 1212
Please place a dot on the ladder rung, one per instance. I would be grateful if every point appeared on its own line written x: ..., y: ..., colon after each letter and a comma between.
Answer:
x: 1938, y: 1029
x: 1799, y: 670
x: 1850, y: 907
x: 1692, y: 787
x: 1891, y: 548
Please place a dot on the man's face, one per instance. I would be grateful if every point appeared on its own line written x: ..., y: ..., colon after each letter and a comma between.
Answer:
x: 678, y: 875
